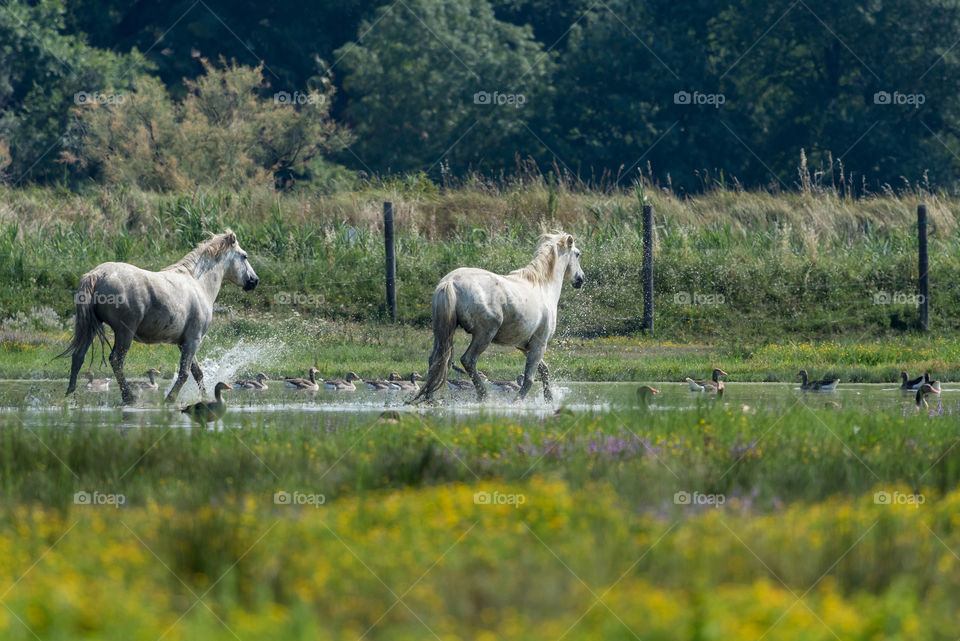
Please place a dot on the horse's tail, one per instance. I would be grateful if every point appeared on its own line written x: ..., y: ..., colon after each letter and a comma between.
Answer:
x: 444, y: 325
x: 85, y: 327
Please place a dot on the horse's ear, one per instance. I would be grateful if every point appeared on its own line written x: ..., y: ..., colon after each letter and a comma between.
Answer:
x: 569, y: 241
x: 231, y: 237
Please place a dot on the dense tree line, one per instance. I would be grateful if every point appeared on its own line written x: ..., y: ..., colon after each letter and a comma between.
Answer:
x: 693, y: 91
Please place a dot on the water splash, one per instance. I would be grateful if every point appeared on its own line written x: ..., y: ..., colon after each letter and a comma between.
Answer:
x: 226, y: 363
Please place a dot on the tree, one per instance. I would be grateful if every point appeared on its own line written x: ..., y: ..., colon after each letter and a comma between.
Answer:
x: 435, y: 81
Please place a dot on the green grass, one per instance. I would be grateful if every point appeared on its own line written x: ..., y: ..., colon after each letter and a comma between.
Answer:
x: 596, y: 517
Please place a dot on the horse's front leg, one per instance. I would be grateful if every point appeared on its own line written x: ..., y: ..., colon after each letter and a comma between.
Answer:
x: 187, y: 351
x: 198, y: 376
x: 534, y: 359
x: 121, y: 345
x: 544, y: 372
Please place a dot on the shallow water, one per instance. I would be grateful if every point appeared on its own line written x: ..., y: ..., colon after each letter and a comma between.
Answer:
x: 36, y: 402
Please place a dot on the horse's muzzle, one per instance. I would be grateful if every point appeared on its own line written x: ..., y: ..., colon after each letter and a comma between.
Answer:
x: 578, y: 282
x: 251, y: 284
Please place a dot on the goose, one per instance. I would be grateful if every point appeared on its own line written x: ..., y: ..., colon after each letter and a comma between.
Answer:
x: 823, y: 385
x: 379, y: 385
x: 924, y: 390
x: 205, y: 412
x: 151, y: 384
x: 507, y: 386
x: 915, y: 383
x: 711, y: 386
x: 345, y: 385
x: 309, y: 384
x: 644, y: 392
x: 255, y: 383
x: 460, y: 385
x: 399, y: 383
x: 97, y: 384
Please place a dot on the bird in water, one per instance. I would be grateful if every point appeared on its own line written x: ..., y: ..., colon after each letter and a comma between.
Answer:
x: 209, y: 411
x: 97, y: 384
x: 255, y: 383
x: 152, y: 383
x: 644, y: 392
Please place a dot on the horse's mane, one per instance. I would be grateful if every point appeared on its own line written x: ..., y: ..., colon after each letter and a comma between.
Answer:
x: 210, y: 249
x: 541, y: 266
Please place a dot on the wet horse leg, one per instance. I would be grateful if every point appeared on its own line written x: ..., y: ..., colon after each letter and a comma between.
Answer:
x: 198, y: 376
x: 481, y: 340
x: 122, y: 339
x: 544, y: 372
x: 187, y: 352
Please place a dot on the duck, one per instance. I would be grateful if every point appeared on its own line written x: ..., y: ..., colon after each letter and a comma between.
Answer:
x: 208, y: 411
x: 345, y: 385
x: 399, y: 383
x: 255, y: 383
x: 713, y: 386
x: 379, y: 385
x: 823, y: 385
x: 926, y: 389
x: 507, y: 386
x: 151, y: 384
x: 915, y: 383
x: 97, y: 384
x: 308, y: 384
x: 644, y: 392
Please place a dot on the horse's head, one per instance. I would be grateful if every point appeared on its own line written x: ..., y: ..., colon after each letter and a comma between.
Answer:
x: 570, y: 253
x: 239, y: 271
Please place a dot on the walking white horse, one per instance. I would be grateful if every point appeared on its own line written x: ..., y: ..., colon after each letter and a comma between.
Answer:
x: 173, y: 306
x: 518, y: 309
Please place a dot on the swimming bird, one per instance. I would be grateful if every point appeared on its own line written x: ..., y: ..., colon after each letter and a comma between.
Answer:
x: 152, y: 384
x: 399, y: 383
x: 926, y: 389
x: 345, y: 385
x: 644, y: 392
x: 823, y: 385
x: 713, y: 386
x: 308, y: 384
x: 915, y: 383
x: 379, y: 385
x: 208, y: 411
x: 507, y: 386
x: 255, y: 383
x: 97, y: 384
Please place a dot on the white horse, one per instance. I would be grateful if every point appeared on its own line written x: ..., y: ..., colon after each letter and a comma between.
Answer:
x: 518, y: 309
x: 173, y: 306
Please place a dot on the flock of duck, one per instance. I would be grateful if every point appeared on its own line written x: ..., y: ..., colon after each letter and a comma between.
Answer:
x: 923, y: 385
x: 208, y: 411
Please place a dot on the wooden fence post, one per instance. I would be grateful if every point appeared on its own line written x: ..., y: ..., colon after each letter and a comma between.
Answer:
x: 391, y: 266
x: 647, y: 276
x: 923, y: 268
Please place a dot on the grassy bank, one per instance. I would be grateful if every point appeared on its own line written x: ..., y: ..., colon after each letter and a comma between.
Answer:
x: 282, y: 345
x: 729, y: 265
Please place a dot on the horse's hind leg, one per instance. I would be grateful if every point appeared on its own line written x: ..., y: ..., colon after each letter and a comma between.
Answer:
x: 198, y: 376
x: 544, y: 372
x: 121, y: 345
x: 481, y: 340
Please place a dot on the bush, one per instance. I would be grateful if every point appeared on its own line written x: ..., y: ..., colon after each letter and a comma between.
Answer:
x: 222, y: 133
